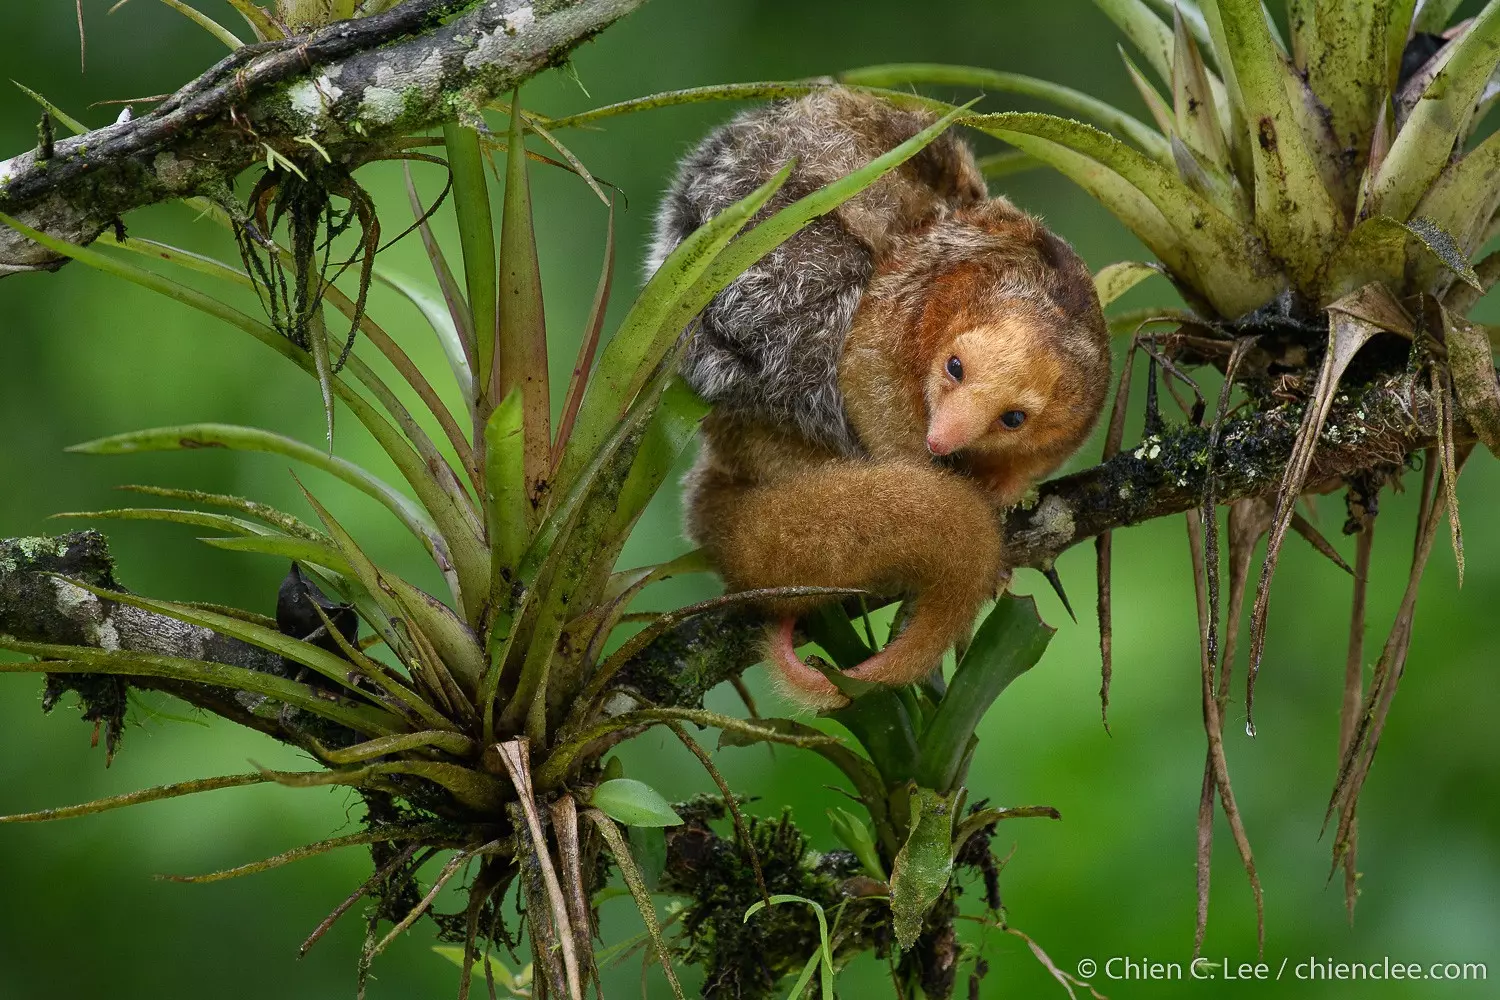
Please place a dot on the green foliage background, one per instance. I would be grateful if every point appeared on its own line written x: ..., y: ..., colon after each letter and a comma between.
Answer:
x: 82, y: 356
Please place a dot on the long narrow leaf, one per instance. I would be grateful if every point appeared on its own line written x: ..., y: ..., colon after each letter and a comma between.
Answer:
x: 1010, y: 642
x: 521, y: 337
x: 191, y: 436
x: 1090, y: 108
x: 432, y: 621
x: 631, y: 872
x: 154, y: 794
x: 199, y: 18
x: 630, y: 350
x: 281, y: 520
x: 588, y: 345
x: 368, y: 719
x: 477, y: 236
x: 440, y: 318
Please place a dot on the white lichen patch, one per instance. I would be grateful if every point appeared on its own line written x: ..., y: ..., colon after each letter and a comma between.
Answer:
x: 7, y: 170
x: 87, y: 611
x: 310, y: 98
x: 1149, y: 448
x: 490, y: 48
x: 1054, y: 518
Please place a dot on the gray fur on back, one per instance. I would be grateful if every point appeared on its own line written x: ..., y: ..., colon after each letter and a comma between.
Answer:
x: 769, y: 344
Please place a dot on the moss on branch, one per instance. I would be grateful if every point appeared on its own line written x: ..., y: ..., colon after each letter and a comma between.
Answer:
x: 352, y: 88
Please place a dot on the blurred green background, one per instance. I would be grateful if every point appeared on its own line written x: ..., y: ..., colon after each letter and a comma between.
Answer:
x: 82, y: 356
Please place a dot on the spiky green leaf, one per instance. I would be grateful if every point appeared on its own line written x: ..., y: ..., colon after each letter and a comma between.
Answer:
x: 1294, y: 210
x: 1197, y: 241
x: 895, y: 75
x: 1426, y: 141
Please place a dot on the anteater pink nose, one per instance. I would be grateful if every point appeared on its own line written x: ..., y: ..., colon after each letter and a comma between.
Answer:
x: 937, y: 445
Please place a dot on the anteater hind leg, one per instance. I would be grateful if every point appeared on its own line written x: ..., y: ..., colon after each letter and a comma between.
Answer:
x: 893, y: 527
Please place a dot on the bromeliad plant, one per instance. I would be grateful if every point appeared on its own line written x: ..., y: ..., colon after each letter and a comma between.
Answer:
x: 1317, y: 198
x: 476, y: 722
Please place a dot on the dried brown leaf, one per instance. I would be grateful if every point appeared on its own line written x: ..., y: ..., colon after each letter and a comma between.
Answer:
x: 1347, y: 333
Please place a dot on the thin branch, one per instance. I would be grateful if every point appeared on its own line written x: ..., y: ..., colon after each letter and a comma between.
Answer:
x: 353, y: 88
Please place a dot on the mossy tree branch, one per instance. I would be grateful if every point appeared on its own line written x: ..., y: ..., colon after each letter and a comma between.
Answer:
x: 1375, y: 427
x: 352, y: 88
x: 37, y: 604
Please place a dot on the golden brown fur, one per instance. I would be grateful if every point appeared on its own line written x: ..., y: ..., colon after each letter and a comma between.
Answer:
x: 956, y: 285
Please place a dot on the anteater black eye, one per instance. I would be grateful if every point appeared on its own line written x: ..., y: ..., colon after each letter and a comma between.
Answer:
x: 956, y: 368
x: 1013, y: 418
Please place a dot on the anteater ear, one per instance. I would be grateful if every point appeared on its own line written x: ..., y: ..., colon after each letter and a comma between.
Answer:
x: 1070, y: 285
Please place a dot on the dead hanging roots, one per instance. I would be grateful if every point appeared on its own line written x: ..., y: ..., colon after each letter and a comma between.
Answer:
x: 291, y: 284
x: 1369, y: 337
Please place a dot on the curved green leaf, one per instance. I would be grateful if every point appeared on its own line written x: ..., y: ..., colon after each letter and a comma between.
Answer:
x: 299, y: 550
x: 1217, y: 255
x: 368, y: 719
x: 476, y: 231
x: 1114, y: 280
x: 191, y: 436
x: 276, y: 518
x: 855, y: 834
x: 68, y: 121
x: 633, y: 803
x: 892, y: 75
x: 194, y: 518
x: 203, y: 21
x: 821, y: 960
x: 643, y: 336
x: 758, y: 91
x: 1009, y: 643
x: 1426, y: 141
x: 440, y: 318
